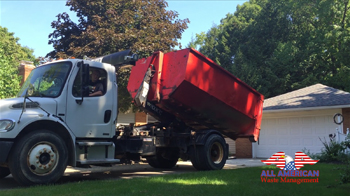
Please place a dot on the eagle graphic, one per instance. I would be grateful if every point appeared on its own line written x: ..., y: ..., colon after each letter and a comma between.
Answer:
x: 286, y: 162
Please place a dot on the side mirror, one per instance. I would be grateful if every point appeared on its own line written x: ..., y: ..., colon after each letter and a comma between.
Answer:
x: 84, y: 78
x: 85, y: 74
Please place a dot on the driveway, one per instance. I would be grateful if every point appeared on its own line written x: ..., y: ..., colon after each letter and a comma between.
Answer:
x: 129, y: 171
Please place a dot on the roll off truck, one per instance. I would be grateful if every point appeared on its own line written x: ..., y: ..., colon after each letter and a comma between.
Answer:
x: 54, y: 123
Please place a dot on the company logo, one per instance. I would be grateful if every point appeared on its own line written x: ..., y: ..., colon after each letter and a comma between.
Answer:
x: 290, y: 169
x: 286, y: 162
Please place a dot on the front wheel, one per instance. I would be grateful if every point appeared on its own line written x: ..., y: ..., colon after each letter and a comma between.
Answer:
x: 4, y: 171
x: 39, y: 157
x: 211, y: 156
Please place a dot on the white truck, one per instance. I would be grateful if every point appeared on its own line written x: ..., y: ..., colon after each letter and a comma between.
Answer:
x: 54, y: 122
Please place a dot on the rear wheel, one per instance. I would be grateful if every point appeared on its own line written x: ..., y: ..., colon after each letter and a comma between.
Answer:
x: 4, y: 171
x: 195, y: 158
x: 211, y: 156
x: 40, y: 157
x: 165, y: 158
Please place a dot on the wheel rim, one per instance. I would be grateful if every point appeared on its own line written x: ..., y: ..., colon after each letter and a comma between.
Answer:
x: 216, y: 152
x: 42, y: 158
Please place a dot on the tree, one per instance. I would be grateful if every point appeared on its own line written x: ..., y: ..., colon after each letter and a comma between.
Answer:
x: 198, y: 41
x: 324, y: 41
x: 277, y: 46
x: 11, y: 52
x: 108, y: 26
x: 228, y: 43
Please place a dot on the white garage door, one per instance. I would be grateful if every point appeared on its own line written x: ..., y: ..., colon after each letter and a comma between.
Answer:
x: 294, y: 131
x: 231, y: 146
x: 126, y: 118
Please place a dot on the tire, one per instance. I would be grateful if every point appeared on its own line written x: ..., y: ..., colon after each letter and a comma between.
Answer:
x: 165, y: 158
x: 211, y: 156
x: 4, y: 171
x: 39, y: 157
x: 194, y: 157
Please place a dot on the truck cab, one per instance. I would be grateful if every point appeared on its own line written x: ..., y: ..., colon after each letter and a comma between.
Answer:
x: 54, y: 104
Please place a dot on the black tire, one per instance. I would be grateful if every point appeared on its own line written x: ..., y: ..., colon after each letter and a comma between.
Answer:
x: 39, y: 157
x: 211, y: 156
x: 4, y: 171
x: 195, y: 158
x: 165, y: 158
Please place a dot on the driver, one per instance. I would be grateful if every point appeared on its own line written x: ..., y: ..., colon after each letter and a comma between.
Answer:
x: 96, y: 85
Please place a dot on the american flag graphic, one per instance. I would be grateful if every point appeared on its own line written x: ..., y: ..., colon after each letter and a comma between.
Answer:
x: 276, y: 159
x: 290, y: 166
x: 279, y: 160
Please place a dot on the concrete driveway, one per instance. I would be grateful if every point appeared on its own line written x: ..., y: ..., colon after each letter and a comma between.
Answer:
x: 240, y: 163
x: 129, y: 171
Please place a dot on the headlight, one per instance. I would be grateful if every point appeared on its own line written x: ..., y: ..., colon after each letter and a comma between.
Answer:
x: 6, y: 125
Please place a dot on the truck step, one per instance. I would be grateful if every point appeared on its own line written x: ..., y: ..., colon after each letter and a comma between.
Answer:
x: 95, y: 143
x: 98, y: 161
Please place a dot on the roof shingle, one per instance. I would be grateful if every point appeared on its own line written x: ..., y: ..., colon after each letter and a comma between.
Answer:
x: 317, y: 95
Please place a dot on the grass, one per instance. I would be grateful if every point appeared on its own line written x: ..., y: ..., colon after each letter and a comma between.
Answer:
x: 245, y: 181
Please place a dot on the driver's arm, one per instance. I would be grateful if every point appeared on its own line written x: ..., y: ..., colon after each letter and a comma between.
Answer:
x: 97, y: 93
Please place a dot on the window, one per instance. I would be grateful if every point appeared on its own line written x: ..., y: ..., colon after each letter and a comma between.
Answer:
x: 97, y: 85
x: 46, y: 80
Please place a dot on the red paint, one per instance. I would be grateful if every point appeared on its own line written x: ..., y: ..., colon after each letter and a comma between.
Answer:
x: 198, y: 91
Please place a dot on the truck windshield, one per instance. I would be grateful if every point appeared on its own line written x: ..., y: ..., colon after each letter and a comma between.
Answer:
x: 46, y: 80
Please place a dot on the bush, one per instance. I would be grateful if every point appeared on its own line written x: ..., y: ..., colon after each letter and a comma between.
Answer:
x: 332, y: 151
x: 345, y: 173
x: 336, y: 152
x: 314, y: 156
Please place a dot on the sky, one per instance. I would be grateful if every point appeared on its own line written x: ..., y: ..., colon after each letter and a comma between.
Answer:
x: 30, y: 20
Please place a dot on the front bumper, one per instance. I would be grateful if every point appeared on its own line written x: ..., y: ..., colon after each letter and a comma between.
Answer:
x: 5, y: 147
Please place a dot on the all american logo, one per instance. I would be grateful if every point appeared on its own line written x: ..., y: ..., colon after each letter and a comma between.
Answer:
x: 290, y: 169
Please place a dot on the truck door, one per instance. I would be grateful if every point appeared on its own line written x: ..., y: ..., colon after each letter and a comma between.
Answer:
x: 95, y: 116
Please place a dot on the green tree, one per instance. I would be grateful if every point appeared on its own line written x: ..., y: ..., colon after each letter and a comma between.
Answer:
x: 228, y: 43
x: 323, y: 41
x: 108, y: 26
x: 198, y: 41
x: 11, y: 52
x: 277, y: 46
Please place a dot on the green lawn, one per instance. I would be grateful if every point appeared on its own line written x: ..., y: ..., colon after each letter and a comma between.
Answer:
x: 244, y: 181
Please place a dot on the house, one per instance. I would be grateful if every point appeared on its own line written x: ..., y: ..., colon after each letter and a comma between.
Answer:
x: 297, y: 120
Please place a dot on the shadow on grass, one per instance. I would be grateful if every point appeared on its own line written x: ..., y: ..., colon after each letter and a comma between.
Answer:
x: 245, y: 181
x: 94, y: 173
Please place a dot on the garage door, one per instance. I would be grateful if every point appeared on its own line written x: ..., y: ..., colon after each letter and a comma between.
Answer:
x: 231, y: 146
x: 126, y: 118
x: 293, y: 132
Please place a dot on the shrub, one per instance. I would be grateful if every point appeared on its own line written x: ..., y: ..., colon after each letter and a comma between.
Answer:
x: 345, y: 173
x: 333, y: 151
x: 336, y: 152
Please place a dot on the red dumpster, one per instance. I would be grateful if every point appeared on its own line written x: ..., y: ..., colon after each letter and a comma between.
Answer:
x: 200, y: 93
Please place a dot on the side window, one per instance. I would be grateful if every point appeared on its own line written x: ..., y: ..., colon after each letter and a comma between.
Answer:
x: 97, y: 85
